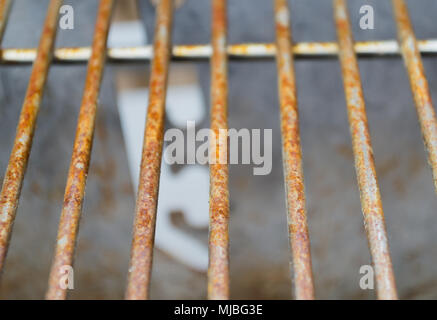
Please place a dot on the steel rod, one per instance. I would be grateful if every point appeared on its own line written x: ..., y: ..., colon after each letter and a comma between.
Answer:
x: 418, y: 82
x: 147, y: 197
x: 199, y: 52
x: 292, y: 157
x: 364, y: 163
x: 13, y: 181
x: 218, y: 270
x: 80, y: 160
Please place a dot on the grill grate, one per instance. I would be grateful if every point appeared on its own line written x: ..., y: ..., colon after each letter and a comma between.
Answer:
x: 219, y: 52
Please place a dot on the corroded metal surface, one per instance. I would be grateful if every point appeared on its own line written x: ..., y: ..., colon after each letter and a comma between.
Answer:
x: 147, y: 197
x: 80, y: 160
x: 5, y: 6
x: 292, y: 157
x: 204, y: 51
x: 364, y: 163
x: 15, y: 171
x: 218, y: 269
x: 418, y: 82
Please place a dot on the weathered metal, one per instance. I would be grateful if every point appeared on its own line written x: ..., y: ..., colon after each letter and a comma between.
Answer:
x: 204, y: 51
x: 419, y: 83
x: 13, y: 181
x: 147, y: 197
x: 292, y: 157
x: 80, y: 160
x: 218, y: 270
x: 363, y: 154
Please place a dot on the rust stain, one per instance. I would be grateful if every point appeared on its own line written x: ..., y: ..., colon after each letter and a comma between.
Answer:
x: 147, y: 196
x: 80, y: 160
x: 418, y: 82
x: 363, y: 154
x: 292, y: 157
x: 218, y: 269
x: 17, y: 165
x: 251, y: 50
x: 190, y: 50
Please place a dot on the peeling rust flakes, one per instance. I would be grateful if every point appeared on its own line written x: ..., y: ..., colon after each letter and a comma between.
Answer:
x: 292, y: 157
x: 363, y: 155
x: 418, y: 82
x: 15, y: 171
x: 147, y: 197
x: 76, y: 181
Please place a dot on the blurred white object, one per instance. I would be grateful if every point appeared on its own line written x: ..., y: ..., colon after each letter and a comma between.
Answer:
x: 184, y: 103
x: 127, y: 34
x: 185, y: 191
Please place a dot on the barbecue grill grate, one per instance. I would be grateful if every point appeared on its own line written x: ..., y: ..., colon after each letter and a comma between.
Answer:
x: 218, y: 52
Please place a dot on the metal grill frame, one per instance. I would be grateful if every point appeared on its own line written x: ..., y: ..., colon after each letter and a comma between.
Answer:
x: 160, y: 55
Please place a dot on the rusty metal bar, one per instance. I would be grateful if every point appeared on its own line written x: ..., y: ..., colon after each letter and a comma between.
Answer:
x: 15, y: 171
x: 5, y: 6
x: 364, y: 163
x: 147, y: 197
x: 204, y: 51
x: 75, y: 188
x: 418, y: 82
x: 292, y: 157
x: 218, y: 269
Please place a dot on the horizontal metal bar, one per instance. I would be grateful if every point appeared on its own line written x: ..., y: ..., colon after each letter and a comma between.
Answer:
x: 235, y: 51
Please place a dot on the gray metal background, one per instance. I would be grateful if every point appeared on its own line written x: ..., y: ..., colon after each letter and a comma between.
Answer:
x: 259, y: 245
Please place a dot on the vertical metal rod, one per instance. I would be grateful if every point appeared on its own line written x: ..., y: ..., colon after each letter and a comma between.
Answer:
x: 15, y: 171
x: 147, y: 197
x: 218, y: 269
x: 418, y: 82
x: 292, y: 157
x: 80, y: 160
x: 5, y: 6
x: 364, y: 163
